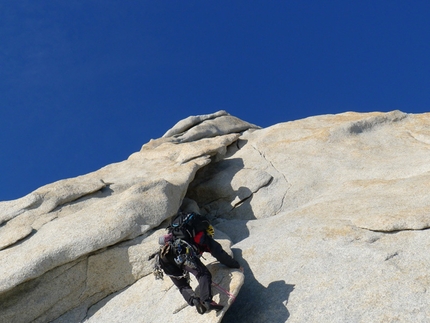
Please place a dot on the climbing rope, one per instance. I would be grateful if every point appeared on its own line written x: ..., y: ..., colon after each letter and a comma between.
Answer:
x: 230, y: 295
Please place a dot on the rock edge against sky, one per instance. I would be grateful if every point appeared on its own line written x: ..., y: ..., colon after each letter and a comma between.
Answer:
x: 328, y: 215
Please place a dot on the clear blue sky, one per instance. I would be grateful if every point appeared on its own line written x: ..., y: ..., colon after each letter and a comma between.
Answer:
x: 86, y: 83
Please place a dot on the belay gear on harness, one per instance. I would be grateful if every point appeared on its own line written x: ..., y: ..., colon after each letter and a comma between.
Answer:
x: 166, y: 259
x: 185, y: 253
x: 174, y: 256
x: 157, y: 270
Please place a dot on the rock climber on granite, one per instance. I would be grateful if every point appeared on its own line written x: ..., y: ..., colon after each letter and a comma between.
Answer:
x: 189, y: 235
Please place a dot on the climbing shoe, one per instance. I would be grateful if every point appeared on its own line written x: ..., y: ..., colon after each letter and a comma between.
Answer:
x: 211, y: 305
x: 199, y: 306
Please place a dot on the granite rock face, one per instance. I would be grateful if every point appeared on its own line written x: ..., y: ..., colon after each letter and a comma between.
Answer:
x: 328, y: 216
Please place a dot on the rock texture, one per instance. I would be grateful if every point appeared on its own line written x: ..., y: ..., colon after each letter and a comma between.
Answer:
x: 328, y: 216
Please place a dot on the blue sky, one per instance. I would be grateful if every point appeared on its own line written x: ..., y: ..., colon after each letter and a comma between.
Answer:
x: 86, y: 83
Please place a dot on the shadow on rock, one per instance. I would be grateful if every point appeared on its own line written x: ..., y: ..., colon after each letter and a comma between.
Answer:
x: 257, y: 303
x: 220, y: 188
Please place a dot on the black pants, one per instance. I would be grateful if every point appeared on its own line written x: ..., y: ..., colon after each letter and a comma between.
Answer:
x: 204, y: 279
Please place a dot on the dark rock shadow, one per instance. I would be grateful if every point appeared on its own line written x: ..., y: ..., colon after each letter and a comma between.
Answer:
x: 257, y: 303
x: 211, y: 189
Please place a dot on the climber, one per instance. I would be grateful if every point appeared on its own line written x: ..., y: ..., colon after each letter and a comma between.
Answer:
x: 190, y: 234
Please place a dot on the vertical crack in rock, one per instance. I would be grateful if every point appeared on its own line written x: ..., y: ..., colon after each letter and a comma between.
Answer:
x: 243, y: 200
x: 84, y: 289
x: 279, y: 172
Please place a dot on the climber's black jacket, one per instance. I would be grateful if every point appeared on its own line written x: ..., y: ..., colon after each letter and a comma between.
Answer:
x: 208, y: 244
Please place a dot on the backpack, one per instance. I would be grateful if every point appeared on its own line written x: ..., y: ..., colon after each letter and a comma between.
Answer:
x: 185, y: 226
